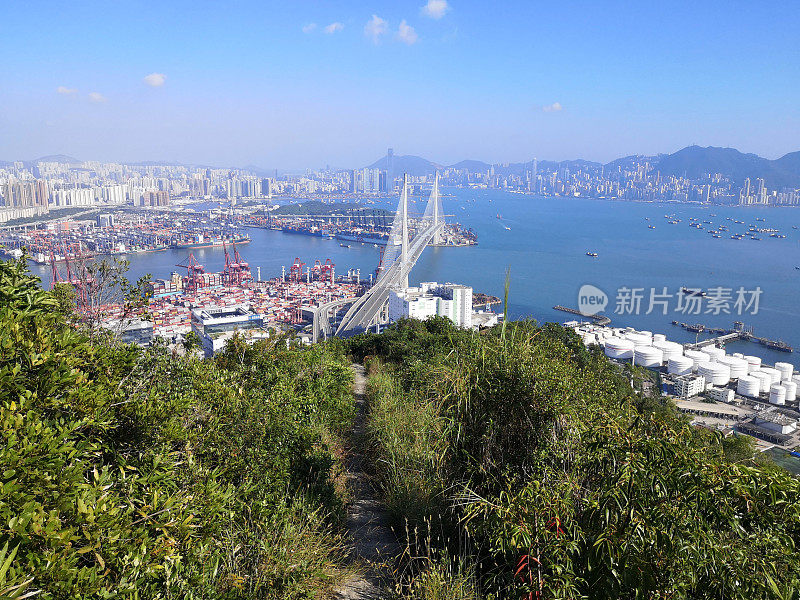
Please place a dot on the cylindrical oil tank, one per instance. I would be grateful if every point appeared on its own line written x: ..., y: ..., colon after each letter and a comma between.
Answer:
x: 668, y: 349
x: 777, y: 394
x: 659, y: 337
x: 764, y: 379
x: 774, y: 374
x: 714, y: 372
x: 713, y: 352
x: 738, y: 366
x: 791, y: 390
x: 647, y: 356
x: 748, y: 386
x: 738, y: 355
x: 696, y: 356
x: 680, y: 365
x: 638, y: 338
x: 754, y: 362
x: 619, y: 348
x: 786, y: 369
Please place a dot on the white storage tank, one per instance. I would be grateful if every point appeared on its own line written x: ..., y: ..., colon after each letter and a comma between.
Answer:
x: 713, y: 352
x: 680, y: 365
x: 748, y: 386
x: 639, y: 339
x: 777, y: 394
x: 791, y: 390
x: 754, y: 362
x: 647, y: 356
x: 786, y: 370
x: 796, y: 379
x: 714, y: 373
x: 738, y: 355
x: 619, y: 348
x: 668, y: 349
x: 696, y: 356
x: 765, y: 381
x: 774, y: 374
x: 738, y: 366
x: 659, y: 337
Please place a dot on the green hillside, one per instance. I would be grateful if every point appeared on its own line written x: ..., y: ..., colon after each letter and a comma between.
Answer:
x: 515, y: 464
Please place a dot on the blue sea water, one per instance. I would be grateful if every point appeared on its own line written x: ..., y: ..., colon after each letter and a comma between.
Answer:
x: 545, y: 251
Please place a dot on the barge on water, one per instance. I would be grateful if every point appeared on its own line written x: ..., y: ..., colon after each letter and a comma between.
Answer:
x: 213, y: 242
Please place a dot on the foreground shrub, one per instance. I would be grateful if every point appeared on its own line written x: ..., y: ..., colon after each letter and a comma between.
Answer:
x: 132, y: 473
x: 567, y: 481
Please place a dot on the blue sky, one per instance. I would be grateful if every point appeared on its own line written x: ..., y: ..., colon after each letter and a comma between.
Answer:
x: 302, y: 84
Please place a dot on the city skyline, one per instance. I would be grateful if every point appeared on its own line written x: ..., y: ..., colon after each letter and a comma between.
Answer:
x: 308, y: 84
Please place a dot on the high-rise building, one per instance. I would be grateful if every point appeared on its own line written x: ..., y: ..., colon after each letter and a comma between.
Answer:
x: 24, y: 194
x: 390, y: 167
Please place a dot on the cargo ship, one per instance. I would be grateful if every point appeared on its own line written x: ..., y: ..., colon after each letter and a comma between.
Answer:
x: 201, y: 241
x: 779, y: 345
x: 363, y: 237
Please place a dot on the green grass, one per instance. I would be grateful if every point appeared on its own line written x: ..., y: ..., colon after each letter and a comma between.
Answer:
x: 408, y: 437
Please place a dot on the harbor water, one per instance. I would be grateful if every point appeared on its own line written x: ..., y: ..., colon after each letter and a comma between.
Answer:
x: 543, y: 242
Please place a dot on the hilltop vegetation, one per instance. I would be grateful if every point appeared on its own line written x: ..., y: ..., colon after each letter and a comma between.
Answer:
x: 526, y: 466
x: 517, y: 463
x: 132, y: 473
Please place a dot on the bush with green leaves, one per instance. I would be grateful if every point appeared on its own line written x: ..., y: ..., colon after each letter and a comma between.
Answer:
x: 134, y: 473
x: 558, y: 478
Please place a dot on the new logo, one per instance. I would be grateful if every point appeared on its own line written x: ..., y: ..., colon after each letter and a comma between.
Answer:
x: 591, y: 299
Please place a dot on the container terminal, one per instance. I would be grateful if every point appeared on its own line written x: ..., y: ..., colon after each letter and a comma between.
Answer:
x: 112, y: 234
x: 355, y: 225
x: 731, y: 393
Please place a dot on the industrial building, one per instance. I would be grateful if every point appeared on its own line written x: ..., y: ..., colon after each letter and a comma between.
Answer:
x: 688, y: 386
x: 432, y: 299
x: 216, y: 325
x: 131, y: 331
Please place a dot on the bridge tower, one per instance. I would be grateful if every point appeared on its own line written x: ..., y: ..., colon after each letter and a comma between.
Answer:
x: 404, y: 241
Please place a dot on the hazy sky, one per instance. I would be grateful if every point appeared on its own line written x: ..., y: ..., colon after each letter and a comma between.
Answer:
x: 296, y: 83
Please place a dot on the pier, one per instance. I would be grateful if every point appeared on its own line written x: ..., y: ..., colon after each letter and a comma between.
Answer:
x: 599, y: 319
x: 739, y: 332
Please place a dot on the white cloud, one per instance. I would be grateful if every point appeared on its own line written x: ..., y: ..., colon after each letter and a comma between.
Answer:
x: 96, y: 97
x: 435, y: 9
x: 554, y: 107
x: 66, y: 91
x: 309, y: 28
x: 334, y: 27
x: 155, y: 79
x: 406, y: 33
x: 375, y: 28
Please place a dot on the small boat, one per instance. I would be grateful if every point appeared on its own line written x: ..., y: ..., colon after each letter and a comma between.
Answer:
x: 651, y: 226
x: 345, y: 245
x: 508, y: 228
x: 498, y: 216
x: 592, y: 254
x: 690, y: 292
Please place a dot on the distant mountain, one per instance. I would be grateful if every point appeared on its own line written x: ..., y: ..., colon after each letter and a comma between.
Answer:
x: 413, y: 165
x: 473, y: 166
x: 627, y: 162
x: 261, y: 172
x: 694, y: 161
x: 789, y: 162
x: 58, y: 158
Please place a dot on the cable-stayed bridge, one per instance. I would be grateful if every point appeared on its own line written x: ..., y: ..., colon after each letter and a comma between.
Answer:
x: 401, y: 254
